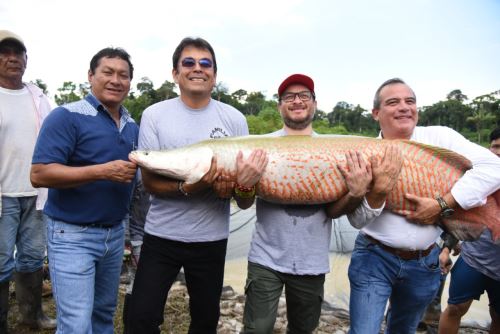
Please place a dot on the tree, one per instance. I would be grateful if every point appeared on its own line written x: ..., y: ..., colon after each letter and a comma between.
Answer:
x: 145, y: 86
x: 84, y: 89
x: 255, y: 102
x: 320, y: 115
x: 219, y: 91
x: 240, y: 95
x: 166, y: 91
x: 482, y: 113
x: 268, y: 120
x: 338, y: 115
x: 42, y: 85
x: 67, y: 93
x: 456, y: 95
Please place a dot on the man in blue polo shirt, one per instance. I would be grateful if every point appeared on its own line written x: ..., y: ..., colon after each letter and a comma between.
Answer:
x: 81, y: 155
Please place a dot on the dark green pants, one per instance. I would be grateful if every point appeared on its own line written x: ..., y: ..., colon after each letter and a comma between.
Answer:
x: 304, y: 295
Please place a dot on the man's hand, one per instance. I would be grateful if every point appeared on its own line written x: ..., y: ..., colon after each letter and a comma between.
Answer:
x: 357, y: 174
x: 358, y: 177
x: 249, y: 171
x: 206, y: 181
x: 385, y: 175
x: 445, y: 262
x: 223, y: 186
x: 427, y: 210
x: 119, y: 171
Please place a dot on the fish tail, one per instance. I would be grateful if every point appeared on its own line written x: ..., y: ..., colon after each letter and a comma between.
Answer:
x: 469, y: 224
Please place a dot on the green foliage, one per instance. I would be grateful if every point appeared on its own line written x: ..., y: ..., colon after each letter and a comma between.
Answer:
x: 268, y: 120
x: 148, y: 96
x: 474, y: 120
x: 67, y: 93
x: 42, y: 85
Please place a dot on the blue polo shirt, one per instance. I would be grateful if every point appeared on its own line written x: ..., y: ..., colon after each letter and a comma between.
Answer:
x: 83, y: 133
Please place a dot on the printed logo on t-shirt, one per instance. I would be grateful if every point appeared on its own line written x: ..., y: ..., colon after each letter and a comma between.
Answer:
x: 218, y: 133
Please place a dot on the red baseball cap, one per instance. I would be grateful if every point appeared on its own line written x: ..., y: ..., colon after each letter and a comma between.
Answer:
x: 296, y: 79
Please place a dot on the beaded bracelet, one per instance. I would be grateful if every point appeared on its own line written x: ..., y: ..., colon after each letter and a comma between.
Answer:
x: 244, y: 192
x: 181, y: 189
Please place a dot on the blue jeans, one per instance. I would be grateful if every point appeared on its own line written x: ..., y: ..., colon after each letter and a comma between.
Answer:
x: 85, y: 264
x: 377, y: 276
x: 21, y: 227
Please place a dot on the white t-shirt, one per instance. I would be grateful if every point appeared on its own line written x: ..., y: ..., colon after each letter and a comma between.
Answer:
x: 18, y: 132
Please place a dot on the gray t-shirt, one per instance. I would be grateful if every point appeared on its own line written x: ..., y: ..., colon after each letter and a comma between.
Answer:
x: 170, y: 124
x: 483, y: 255
x: 292, y: 239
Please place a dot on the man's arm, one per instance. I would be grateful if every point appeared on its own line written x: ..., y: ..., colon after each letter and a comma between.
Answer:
x: 55, y: 175
x: 428, y: 210
x: 160, y: 185
x: 471, y: 190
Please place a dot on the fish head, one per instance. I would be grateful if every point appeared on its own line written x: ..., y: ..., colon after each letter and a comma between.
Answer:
x: 187, y: 164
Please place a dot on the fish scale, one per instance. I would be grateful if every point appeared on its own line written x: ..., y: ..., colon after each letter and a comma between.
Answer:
x: 305, y: 170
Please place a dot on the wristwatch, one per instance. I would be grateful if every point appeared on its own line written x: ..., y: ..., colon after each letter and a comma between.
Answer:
x: 446, y: 211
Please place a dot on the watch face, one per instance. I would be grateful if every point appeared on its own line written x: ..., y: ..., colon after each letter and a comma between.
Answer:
x: 447, y: 212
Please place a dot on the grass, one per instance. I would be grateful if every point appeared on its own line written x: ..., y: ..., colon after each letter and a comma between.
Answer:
x: 176, y: 314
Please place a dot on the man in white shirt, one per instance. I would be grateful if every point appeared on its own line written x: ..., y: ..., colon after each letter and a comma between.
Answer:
x: 395, y: 257
x: 23, y: 106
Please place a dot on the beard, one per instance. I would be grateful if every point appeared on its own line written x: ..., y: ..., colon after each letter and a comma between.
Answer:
x: 299, y: 124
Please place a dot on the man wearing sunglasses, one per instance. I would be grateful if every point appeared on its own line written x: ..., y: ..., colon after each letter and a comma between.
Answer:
x: 290, y: 244
x: 188, y: 224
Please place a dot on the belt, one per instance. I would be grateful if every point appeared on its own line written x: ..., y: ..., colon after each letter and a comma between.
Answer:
x: 100, y: 225
x: 402, y: 253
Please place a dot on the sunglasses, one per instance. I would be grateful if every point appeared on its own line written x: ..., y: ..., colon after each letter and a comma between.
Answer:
x: 191, y: 62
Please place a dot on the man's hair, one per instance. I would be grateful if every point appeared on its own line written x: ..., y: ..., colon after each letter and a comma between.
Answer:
x: 198, y: 43
x: 495, y: 134
x: 376, y: 99
x: 111, y: 53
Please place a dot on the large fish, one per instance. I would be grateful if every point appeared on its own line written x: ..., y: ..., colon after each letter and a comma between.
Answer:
x: 304, y: 170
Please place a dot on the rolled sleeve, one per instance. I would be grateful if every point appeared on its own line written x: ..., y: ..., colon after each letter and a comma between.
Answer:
x: 364, y: 214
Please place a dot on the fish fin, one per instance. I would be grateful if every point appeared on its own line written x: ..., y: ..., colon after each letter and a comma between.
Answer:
x: 451, y: 157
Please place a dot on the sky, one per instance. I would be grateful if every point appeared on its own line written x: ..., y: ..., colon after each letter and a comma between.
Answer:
x: 348, y: 47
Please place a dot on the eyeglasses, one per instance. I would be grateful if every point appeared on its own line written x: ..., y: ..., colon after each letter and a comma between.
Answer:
x: 191, y: 62
x: 303, y: 96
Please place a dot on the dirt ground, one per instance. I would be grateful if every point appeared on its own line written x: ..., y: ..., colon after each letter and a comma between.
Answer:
x: 176, y: 312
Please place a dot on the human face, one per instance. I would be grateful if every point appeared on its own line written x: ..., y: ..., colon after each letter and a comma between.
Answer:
x: 297, y: 114
x: 495, y: 146
x: 195, y: 81
x: 397, y: 114
x: 111, y: 82
x: 13, y: 61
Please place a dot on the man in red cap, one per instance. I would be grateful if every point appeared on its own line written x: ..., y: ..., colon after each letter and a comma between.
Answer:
x: 23, y: 106
x: 290, y: 244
